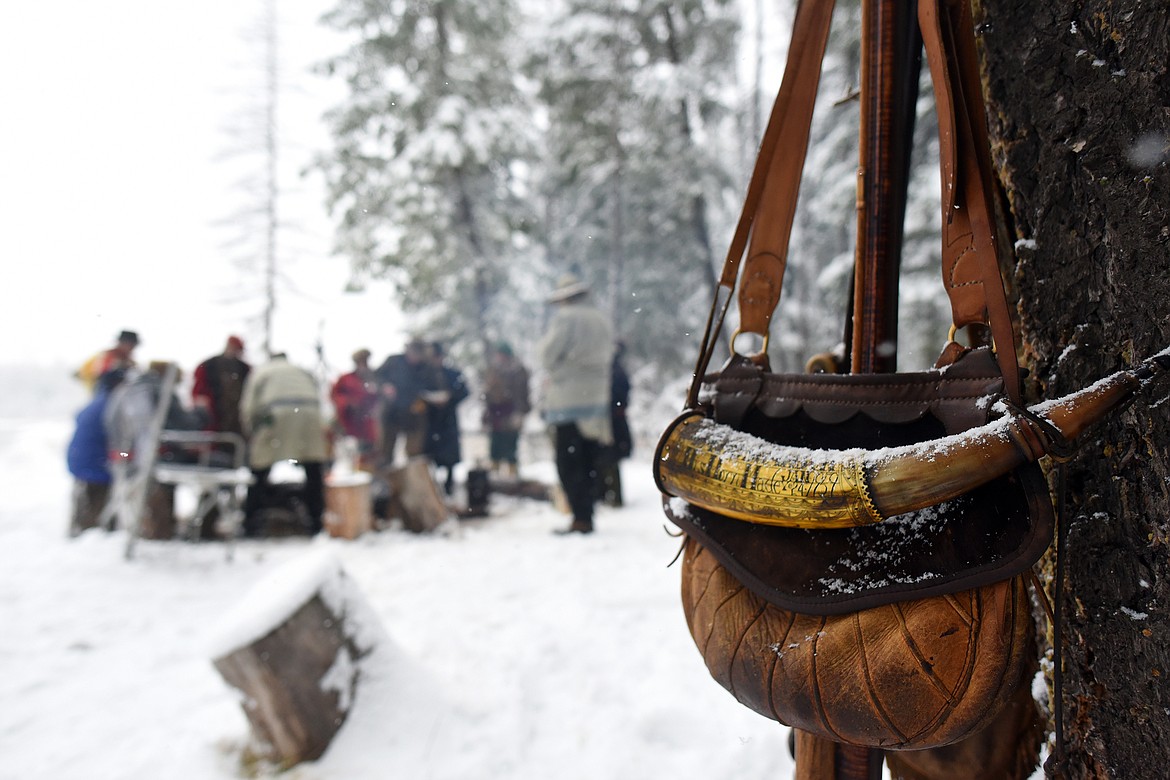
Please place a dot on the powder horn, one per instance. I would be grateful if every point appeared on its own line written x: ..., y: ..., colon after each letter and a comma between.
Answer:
x: 724, y: 470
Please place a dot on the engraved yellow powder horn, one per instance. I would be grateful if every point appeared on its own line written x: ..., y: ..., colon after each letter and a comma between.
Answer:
x: 719, y: 468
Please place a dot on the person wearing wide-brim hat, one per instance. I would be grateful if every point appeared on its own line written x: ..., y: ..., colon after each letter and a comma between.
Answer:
x: 568, y: 288
x: 576, y: 354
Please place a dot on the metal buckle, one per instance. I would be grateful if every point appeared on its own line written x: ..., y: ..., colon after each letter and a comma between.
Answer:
x: 763, y: 350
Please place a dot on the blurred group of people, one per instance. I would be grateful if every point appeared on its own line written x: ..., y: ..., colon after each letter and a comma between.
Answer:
x: 408, y: 404
x: 406, y: 407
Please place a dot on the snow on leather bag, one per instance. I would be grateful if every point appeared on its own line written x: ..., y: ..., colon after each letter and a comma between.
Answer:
x: 857, y: 544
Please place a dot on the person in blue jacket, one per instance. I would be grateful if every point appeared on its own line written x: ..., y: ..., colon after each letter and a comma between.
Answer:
x: 87, y: 456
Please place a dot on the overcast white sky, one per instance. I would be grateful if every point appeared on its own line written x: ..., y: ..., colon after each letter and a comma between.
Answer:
x: 114, y: 122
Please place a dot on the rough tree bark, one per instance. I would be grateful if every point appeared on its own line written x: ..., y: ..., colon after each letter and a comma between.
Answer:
x: 1079, y: 103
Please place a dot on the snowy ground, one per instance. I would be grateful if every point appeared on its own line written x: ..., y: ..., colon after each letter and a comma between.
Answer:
x: 511, y: 653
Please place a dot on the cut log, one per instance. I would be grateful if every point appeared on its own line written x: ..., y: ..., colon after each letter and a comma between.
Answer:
x: 522, y: 488
x: 415, y: 498
x: 291, y: 648
x: 348, y: 506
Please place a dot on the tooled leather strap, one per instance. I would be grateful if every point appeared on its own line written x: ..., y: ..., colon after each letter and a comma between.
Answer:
x: 776, y: 178
x: 970, y: 263
x: 789, y: 123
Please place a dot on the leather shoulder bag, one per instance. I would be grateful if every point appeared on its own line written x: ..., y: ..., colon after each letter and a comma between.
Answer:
x: 857, y: 544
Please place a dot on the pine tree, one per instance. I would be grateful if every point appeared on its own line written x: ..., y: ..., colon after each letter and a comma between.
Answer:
x: 426, y: 175
x: 636, y: 93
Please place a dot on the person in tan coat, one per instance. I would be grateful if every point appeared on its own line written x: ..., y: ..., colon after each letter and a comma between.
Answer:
x: 281, y: 412
x: 576, y: 354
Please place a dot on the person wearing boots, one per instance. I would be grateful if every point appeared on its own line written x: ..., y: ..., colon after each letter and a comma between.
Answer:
x: 610, y: 484
x: 87, y: 455
x: 442, y: 444
x: 576, y: 354
x: 505, y: 402
x: 281, y: 413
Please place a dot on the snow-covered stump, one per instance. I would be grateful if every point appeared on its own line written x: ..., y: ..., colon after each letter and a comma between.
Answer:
x: 291, y: 649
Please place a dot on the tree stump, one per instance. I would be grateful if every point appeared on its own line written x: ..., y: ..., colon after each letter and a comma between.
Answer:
x: 415, y: 498
x: 291, y: 648
x: 348, y: 506
x: 158, y: 513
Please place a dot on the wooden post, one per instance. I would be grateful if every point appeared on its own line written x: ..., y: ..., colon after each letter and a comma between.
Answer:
x: 890, y: 63
x: 291, y: 648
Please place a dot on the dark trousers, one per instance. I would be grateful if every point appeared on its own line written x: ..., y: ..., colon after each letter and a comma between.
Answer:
x: 503, y: 445
x: 577, y: 468
x: 259, y: 490
x: 411, y: 427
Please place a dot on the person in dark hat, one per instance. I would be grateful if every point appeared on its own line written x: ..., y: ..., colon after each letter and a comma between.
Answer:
x: 119, y: 356
x: 218, y: 385
x: 356, y: 401
x: 576, y: 353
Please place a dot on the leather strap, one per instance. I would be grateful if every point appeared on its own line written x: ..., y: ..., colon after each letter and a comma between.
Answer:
x: 770, y: 204
x: 790, y: 122
x: 970, y: 260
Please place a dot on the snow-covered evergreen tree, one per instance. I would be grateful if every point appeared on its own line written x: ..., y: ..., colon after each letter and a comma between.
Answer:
x: 637, y: 93
x: 431, y: 151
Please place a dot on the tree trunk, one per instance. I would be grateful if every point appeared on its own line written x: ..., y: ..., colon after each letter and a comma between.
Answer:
x: 1078, y: 98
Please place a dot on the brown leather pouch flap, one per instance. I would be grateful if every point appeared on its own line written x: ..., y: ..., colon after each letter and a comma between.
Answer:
x: 989, y: 534
x: 960, y: 396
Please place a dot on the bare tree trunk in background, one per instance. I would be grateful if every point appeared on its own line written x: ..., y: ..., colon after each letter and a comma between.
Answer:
x: 699, y: 222
x: 465, y: 209
x: 617, y: 243
x: 1079, y: 108
x: 271, y: 184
